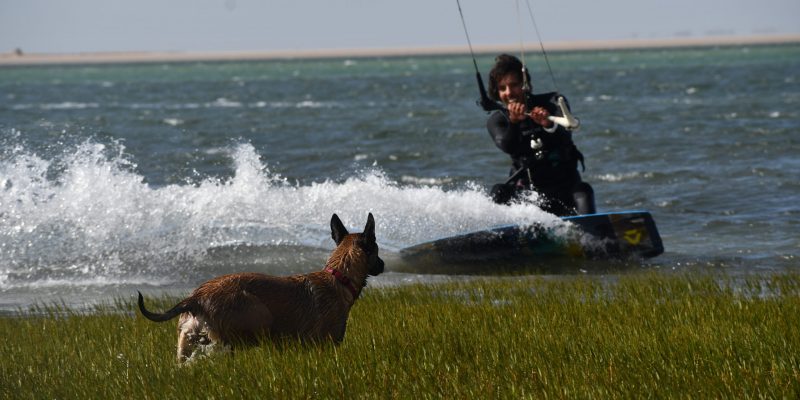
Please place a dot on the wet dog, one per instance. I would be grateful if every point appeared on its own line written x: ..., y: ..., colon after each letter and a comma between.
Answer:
x: 241, y: 309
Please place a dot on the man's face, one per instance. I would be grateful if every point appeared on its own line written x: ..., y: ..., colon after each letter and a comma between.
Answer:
x: 509, y: 89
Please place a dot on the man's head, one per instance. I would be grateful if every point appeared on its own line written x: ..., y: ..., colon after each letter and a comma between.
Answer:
x: 505, y: 79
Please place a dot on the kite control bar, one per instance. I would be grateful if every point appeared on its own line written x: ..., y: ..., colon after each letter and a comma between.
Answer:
x: 567, y: 121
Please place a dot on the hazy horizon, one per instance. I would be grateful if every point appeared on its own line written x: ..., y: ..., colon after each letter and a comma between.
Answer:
x: 52, y: 26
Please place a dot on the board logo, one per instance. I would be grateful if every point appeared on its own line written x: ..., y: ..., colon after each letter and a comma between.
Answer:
x: 633, y: 236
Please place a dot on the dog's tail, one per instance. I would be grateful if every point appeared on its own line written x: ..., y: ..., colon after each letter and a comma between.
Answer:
x: 180, y: 308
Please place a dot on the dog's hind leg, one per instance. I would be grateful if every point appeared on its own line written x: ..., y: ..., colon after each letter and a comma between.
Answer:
x: 192, y: 333
x: 186, y: 325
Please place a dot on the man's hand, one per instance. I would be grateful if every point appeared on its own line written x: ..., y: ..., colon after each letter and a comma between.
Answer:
x: 516, y: 112
x: 539, y: 115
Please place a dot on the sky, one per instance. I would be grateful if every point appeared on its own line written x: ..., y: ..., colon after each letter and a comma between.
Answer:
x: 75, y: 26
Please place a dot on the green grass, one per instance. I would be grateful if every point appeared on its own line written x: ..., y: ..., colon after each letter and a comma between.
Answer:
x: 639, y: 335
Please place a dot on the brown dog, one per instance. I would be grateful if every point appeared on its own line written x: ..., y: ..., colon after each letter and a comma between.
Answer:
x: 241, y: 308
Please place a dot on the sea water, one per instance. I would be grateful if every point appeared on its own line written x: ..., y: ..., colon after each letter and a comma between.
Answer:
x: 158, y: 176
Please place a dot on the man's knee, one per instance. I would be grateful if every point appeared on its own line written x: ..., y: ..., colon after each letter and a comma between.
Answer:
x: 502, y: 193
x: 584, y: 198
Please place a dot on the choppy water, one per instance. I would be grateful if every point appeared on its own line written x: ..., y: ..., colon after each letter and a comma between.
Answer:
x: 159, y: 176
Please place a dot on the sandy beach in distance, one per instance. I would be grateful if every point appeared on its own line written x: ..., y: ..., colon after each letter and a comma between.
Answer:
x: 22, y: 58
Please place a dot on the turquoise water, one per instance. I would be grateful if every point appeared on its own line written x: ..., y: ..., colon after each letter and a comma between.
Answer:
x: 159, y: 176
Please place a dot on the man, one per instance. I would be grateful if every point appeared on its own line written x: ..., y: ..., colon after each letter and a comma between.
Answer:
x: 544, y: 158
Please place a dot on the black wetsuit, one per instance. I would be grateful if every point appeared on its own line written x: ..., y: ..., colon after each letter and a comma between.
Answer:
x: 551, y: 169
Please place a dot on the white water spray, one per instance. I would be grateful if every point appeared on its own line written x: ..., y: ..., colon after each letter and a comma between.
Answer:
x: 88, y: 215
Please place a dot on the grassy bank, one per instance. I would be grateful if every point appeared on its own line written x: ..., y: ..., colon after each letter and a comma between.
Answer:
x: 641, y: 335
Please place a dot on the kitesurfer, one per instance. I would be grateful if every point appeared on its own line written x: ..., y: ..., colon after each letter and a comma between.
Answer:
x: 544, y: 158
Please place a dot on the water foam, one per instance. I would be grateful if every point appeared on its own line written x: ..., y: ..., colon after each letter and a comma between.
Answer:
x: 86, y: 214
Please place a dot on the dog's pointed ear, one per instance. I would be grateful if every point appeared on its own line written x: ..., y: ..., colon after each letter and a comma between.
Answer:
x: 338, y: 231
x: 369, y: 230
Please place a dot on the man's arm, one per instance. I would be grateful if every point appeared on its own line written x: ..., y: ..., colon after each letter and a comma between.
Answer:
x: 506, y: 136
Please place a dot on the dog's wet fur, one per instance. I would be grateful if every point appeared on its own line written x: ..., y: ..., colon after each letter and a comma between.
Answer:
x: 243, y: 308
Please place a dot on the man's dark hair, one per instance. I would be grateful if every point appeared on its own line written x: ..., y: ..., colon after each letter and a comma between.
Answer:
x: 504, y: 64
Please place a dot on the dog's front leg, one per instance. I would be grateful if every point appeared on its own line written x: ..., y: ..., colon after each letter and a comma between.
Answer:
x: 337, y: 333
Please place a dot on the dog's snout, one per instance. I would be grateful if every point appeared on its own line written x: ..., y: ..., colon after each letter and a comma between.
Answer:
x: 377, y: 268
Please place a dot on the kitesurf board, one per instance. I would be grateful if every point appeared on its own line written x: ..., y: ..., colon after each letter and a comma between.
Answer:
x: 617, y: 235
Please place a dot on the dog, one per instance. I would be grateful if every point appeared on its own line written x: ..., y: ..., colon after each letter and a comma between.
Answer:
x: 243, y: 308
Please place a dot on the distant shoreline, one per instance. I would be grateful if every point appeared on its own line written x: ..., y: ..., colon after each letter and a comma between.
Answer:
x: 23, y: 59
